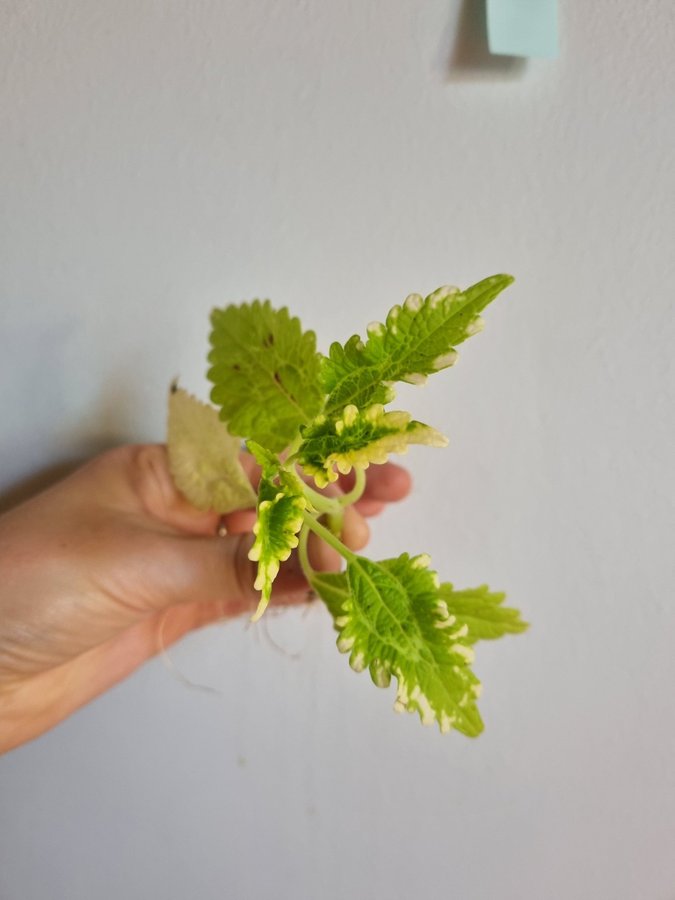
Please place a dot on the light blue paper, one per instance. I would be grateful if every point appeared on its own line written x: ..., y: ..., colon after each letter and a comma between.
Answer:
x: 523, y: 27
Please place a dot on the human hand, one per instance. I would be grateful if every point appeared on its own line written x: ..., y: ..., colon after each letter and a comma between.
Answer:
x: 92, y: 569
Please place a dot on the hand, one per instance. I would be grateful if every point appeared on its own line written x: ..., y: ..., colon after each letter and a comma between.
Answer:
x: 91, y: 569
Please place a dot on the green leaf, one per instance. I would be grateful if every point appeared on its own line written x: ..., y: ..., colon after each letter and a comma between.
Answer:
x: 280, y: 517
x: 269, y: 462
x: 204, y: 456
x: 390, y: 619
x: 265, y: 372
x: 482, y: 612
x: 358, y: 438
x: 417, y: 340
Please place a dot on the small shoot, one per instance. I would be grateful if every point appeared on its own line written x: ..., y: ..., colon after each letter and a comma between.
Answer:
x: 307, y: 417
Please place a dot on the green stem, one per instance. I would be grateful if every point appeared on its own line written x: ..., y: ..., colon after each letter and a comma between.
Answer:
x: 335, y: 521
x: 328, y: 537
x: 303, y: 555
x: 357, y: 491
x: 320, y: 502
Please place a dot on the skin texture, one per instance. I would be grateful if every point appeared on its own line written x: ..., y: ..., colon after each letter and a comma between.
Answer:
x: 94, y: 567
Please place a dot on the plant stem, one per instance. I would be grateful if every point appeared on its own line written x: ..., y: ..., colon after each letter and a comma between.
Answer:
x: 303, y: 556
x: 320, y: 502
x: 335, y: 521
x: 328, y: 537
x: 356, y: 492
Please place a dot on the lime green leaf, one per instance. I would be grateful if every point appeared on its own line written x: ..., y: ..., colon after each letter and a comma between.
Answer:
x: 482, y: 612
x: 268, y: 461
x: 358, y: 438
x: 280, y: 518
x: 417, y: 340
x: 273, y: 473
x: 390, y: 619
x: 265, y: 372
x: 350, y: 378
x: 204, y: 456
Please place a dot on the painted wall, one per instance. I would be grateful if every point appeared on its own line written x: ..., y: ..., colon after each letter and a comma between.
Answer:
x: 159, y: 158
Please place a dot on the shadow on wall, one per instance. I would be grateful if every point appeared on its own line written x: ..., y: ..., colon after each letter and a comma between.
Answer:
x: 108, y: 428
x: 464, y: 53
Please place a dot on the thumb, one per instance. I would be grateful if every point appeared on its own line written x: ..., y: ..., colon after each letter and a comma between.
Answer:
x: 200, y: 566
x: 217, y: 570
x: 159, y: 497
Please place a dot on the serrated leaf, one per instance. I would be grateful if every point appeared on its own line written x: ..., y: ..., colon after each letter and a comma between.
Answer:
x: 482, y: 612
x: 280, y: 517
x: 358, y: 438
x: 269, y: 462
x: 204, y: 456
x: 389, y: 619
x: 273, y: 473
x: 417, y: 339
x: 265, y: 372
x: 349, y: 377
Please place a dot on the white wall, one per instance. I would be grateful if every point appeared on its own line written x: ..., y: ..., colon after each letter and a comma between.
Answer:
x: 162, y: 157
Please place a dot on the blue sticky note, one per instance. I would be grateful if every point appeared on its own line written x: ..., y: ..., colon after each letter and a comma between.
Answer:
x: 523, y: 27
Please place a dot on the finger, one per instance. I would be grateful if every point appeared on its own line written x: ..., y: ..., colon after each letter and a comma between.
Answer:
x: 207, y: 570
x: 387, y: 483
x: 323, y: 557
x: 159, y: 496
x: 251, y: 467
x: 162, y: 499
x: 355, y: 530
x: 239, y: 522
x: 370, y: 507
x: 210, y: 570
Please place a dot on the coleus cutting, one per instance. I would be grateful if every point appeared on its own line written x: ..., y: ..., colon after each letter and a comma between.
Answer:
x: 307, y: 417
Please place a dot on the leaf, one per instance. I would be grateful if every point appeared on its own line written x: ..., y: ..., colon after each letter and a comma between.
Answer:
x: 350, y: 378
x: 417, y: 340
x: 390, y: 619
x: 204, y: 456
x: 269, y: 462
x: 280, y: 518
x: 482, y: 612
x: 265, y: 372
x: 359, y: 438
